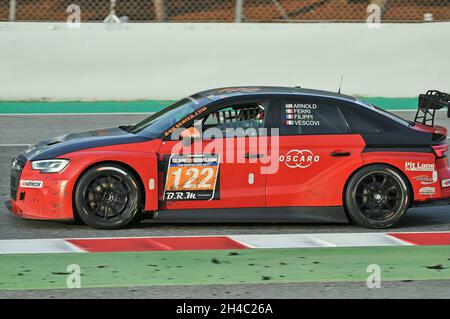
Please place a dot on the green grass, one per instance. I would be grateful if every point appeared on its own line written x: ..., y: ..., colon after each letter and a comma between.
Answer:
x: 65, y: 107
x: 27, y: 107
x: 252, y: 266
x: 393, y: 103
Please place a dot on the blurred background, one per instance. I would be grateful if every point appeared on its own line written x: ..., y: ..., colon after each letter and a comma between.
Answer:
x: 228, y: 10
x: 166, y: 49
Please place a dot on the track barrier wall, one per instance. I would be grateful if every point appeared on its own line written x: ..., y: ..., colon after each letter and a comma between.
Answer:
x: 157, y: 61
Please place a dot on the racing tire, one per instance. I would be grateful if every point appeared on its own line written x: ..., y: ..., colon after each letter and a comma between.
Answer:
x: 108, y: 197
x: 377, y: 196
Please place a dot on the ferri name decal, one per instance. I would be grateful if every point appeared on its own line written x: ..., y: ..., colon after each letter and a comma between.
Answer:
x: 299, y: 158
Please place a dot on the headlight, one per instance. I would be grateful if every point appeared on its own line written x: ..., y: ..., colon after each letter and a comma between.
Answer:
x: 50, y: 166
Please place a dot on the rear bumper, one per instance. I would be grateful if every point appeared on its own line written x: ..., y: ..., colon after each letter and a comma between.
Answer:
x: 443, y: 185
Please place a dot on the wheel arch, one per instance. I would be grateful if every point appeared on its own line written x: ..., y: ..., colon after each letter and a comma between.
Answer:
x: 396, y: 169
x: 109, y: 162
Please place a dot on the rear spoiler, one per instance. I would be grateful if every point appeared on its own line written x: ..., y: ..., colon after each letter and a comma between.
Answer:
x: 428, y: 104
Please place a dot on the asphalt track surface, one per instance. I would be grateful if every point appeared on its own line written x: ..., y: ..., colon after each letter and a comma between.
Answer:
x: 435, y: 289
x: 16, y: 131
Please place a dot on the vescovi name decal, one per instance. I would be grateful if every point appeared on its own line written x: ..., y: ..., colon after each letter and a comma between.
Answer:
x: 299, y: 158
x: 419, y: 167
x: 31, y: 184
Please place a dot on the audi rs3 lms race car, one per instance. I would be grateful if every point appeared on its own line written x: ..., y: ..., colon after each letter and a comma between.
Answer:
x: 243, y: 154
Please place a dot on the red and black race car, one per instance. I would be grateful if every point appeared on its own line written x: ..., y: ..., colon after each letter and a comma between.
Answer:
x: 243, y: 154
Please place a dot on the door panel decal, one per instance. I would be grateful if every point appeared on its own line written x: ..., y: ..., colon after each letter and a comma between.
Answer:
x: 299, y: 158
x: 192, y: 177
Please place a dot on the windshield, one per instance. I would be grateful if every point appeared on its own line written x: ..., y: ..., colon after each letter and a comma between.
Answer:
x: 157, y: 123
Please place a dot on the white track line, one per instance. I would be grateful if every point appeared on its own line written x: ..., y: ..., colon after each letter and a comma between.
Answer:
x: 14, y: 145
x: 41, y: 246
x: 319, y: 240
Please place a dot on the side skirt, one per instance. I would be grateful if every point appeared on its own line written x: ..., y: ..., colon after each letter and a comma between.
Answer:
x: 316, y: 214
x: 432, y: 203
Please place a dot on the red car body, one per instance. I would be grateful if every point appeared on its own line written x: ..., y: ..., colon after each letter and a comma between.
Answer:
x: 319, y: 182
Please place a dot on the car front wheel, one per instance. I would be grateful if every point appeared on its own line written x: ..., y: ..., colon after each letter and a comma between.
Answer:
x: 108, y: 197
x: 377, y: 196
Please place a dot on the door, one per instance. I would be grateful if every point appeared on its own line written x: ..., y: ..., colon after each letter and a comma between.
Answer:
x: 220, y: 165
x: 317, y: 154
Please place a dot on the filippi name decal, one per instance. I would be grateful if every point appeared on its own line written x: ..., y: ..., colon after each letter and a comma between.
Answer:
x: 299, y: 158
x: 419, y: 167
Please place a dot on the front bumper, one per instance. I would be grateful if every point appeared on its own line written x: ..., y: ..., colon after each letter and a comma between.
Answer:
x: 51, y: 200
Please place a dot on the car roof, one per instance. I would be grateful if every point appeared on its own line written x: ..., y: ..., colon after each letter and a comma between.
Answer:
x: 220, y: 93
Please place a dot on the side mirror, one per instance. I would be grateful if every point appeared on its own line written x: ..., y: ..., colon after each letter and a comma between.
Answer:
x: 189, y: 135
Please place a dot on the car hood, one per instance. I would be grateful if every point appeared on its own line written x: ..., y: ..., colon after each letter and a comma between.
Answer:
x: 64, y: 144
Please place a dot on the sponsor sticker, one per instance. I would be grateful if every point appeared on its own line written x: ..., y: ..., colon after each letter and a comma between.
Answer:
x: 419, y: 167
x: 29, y: 150
x: 427, y: 191
x: 425, y: 179
x: 299, y: 158
x: 445, y: 182
x: 239, y: 89
x: 31, y: 184
x: 184, y: 121
x: 192, y: 177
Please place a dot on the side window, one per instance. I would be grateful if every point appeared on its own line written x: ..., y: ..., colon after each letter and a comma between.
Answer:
x: 361, y: 122
x: 243, y: 116
x: 308, y: 118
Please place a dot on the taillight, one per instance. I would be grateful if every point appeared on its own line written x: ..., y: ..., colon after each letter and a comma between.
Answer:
x: 440, y: 150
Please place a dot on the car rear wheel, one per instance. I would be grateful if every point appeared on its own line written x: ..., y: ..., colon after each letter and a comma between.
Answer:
x: 377, y: 196
x: 108, y: 197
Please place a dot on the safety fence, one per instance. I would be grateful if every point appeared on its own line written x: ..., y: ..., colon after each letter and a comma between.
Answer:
x: 228, y: 10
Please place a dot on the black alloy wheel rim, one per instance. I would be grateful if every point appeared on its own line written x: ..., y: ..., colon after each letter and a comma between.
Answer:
x: 378, y: 196
x: 107, y: 196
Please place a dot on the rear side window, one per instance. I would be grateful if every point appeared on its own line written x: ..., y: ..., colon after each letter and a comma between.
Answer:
x: 361, y: 122
x: 308, y: 118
